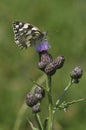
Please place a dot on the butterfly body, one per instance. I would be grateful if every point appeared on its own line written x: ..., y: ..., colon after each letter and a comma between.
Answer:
x: 27, y: 34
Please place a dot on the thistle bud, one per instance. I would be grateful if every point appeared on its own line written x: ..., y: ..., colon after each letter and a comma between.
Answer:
x: 31, y: 99
x: 44, y: 59
x: 76, y: 73
x: 39, y: 90
x: 39, y: 96
x: 50, y: 69
x: 36, y: 108
x: 41, y: 65
x: 55, y: 64
x: 59, y: 62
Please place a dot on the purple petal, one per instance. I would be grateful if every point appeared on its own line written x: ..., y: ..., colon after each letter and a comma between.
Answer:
x: 43, y: 46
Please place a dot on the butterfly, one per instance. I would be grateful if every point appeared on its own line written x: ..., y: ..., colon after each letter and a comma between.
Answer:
x: 26, y: 34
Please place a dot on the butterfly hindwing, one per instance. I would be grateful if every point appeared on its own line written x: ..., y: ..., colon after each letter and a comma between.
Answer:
x: 26, y: 34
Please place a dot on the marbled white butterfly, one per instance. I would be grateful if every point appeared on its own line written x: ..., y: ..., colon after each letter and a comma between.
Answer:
x: 26, y: 34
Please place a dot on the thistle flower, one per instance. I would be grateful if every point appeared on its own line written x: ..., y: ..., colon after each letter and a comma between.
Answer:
x: 43, y: 46
x: 26, y: 35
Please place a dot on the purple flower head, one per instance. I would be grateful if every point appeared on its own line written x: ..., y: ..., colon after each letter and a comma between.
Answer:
x: 43, y: 46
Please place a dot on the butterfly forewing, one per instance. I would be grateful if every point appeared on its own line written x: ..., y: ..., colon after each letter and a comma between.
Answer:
x: 26, y: 34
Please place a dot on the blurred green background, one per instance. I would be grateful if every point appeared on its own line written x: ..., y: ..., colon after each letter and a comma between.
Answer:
x: 65, y: 21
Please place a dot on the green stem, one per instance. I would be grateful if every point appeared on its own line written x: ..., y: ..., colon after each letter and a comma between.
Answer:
x: 65, y: 105
x: 75, y: 101
x: 58, y: 102
x: 39, y: 121
x: 49, y: 90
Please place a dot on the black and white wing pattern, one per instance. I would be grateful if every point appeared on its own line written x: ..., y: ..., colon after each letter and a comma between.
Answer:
x: 26, y: 34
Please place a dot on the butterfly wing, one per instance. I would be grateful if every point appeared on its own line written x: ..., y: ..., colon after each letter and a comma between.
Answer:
x: 26, y: 34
